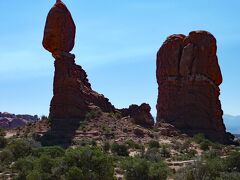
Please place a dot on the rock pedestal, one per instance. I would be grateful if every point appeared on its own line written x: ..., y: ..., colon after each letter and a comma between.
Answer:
x: 189, y: 76
x: 73, y: 94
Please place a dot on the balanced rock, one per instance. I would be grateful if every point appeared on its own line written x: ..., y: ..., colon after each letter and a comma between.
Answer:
x: 188, y: 75
x: 59, y: 33
x: 73, y: 96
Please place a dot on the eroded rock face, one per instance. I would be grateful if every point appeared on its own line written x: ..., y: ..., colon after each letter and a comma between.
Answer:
x: 140, y: 114
x: 189, y: 76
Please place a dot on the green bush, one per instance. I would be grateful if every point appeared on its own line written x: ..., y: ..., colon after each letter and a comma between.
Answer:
x: 153, y: 154
x: 6, y: 157
x: 52, y: 151
x: 2, y: 132
x: 34, y: 175
x: 91, y: 161
x: 3, y: 142
x: 211, y: 154
x: 232, y: 162
x: 116, y: 115
x: 20, y: 148
x: 165, y: 152
x: 153, y: 144
x: 204, y: 145
x: 198, y: 138
x: 229, y: 176
x: 131, y: 144
x: 94, y: 113
x: 119, y: 149
x: 74, y: 173
x: 192, y: 172
x: 136, y: 169
x: 141, y: 169
x: 158, y: 171
x: 44, y: 164
x: 210, y: 169
x: 23, y: 166
x: 106, y: 146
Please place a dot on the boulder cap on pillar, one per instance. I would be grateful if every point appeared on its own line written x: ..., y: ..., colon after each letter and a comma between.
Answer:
x: 60, y: 29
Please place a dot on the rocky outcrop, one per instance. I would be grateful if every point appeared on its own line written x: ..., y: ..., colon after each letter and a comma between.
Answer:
x: 72, y: 91
x: 8, y: 120
x: 141, y: 115
x: 189, y: 76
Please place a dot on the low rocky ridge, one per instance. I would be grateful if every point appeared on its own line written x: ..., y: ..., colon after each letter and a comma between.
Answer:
x: 162, y: 143
x: 99, y: 126
x: 8, y: 120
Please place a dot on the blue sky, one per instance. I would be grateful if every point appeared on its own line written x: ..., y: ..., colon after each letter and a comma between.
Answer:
x: 116, y: 43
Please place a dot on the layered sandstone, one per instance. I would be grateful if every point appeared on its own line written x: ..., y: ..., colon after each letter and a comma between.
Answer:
x: 188, y: 75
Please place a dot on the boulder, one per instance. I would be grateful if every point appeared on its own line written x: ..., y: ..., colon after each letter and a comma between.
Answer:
x: 59, y: 33
x: 141, y: 115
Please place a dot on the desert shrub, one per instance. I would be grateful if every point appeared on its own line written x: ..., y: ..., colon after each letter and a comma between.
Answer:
x: 52, y: 151
x: 2, y: 132
x: 153, y: 144
x: 182, y: 147
x: 232, y: 162
x: 192, y: 172
x: 23, y: 166
x: 158, y: 171
x: 119, y: 149
x: 93, y: 143
x: 34, y: 175
x: 198, y: 138
x: 211, y: 154
x: 6, y: 157
x: 91, y: 161
x: 229, y: 176
x: 217, y: 146
x: 165, y: 152
x: 106, y: 146
x: 204, y: 145
x: 94, y: 113
x: 3, y: 142
x: 141, y: 169
x: 153, y: 154
x: 211, y: 169
x: 74, y: 173
x: 44, y: 164
x: 20, y: 148
x: 214, y: 167
x: 136, y: 169
x: 131, y: 144
x: 116, y: 115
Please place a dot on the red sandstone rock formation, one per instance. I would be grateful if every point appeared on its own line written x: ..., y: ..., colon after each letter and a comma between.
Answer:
x: 189, y: 76
x: 140, y: 114
x: 73, y: 94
